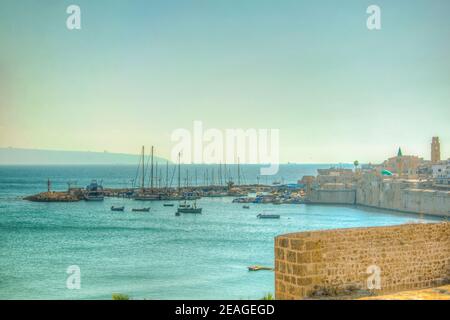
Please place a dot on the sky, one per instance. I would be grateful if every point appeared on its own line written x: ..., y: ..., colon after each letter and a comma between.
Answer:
x: 138, y: 70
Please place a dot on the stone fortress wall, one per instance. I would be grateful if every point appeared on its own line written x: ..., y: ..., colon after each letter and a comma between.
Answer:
x: 410, y: 256
x: 389, y: 194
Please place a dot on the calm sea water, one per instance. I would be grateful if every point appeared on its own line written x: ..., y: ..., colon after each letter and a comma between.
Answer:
x: 153, y: 255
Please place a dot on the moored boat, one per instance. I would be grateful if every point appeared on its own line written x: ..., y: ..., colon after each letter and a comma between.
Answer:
x: 141, y: 209
x: 189, y: 210
x: 268, y: 216
x: 117, y: 208
x: 258, y: 268
x: 186, y: 208
x: 94, y: 192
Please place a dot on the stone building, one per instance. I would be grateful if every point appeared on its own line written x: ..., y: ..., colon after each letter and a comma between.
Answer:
x: 435, y: 150
x: 441, y: 173
x: 336, y: 176
x: 403, y: 165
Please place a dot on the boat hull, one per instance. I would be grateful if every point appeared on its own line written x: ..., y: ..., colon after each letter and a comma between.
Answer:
x: 268, y: 216
x: 141, y: 210
x: 94, y: 198
x: 190, y: 210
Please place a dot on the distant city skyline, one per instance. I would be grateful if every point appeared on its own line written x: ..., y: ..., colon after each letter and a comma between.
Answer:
x: 138, y: 70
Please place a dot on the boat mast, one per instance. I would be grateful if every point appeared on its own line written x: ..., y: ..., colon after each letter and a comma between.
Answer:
x: 239, y: 173
x: 225, y: 172
x: 187, y: 178
x: 151, y: 172
x: 156, y: 175
x: 143, y: 170
x: 167, y: 174
x: 179, y: 173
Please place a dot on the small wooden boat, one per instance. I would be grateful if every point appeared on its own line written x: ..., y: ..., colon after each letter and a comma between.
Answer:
x: 268, y: 216
x: 168, y: 204
x: 117, y: 208
x: 246, y: 207
x: 186, y: 208
x: 189, y: 210
x: 258, y: 268
x: 141, y: 209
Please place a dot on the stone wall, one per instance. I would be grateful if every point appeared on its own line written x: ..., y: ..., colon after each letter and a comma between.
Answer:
x: 330, y: 196
x: 409, y: 256
x: 374, y: 191
x: 402, y: 196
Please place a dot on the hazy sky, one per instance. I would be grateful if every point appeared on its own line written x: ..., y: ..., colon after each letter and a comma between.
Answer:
x: 137, y: 70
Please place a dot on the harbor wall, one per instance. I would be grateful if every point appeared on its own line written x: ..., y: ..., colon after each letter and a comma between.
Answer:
x: 331, y: 196
x: 410, y: 256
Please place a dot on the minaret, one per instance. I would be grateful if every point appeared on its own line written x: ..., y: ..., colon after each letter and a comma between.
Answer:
x: 435, y: 150
x: 399, y: 162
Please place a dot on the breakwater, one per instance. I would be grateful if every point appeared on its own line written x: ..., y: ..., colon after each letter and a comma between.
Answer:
x: 77, y: 194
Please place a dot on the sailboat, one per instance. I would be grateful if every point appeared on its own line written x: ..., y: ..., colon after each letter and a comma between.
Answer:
x: 142, y: 196
x: 185, y: 208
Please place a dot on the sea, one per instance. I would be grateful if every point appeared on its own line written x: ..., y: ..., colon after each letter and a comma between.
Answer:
x: 152, y: 255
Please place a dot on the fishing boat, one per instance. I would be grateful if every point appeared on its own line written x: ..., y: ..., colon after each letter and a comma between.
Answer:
x: 189, y: 209
x: 268, y: 216
x: 117, y: 208
x: 94, y: 192
x: 141, y: 209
